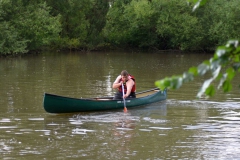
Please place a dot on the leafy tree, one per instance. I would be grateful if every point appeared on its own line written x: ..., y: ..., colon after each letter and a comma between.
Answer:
x: 82, y: 22
x: 175, y: 25
x: 27, y: 26
x: 219, y: 20
x: 226, y: 20
x: 96, y: 17
x: 223, y: 66
x: 172, y: 24
x: 133, y: 23
x: 73, y: 24
x: 10, y: 42
x: 37, y: 25
x: 141, y: 16
x: 157, y: 24
x: 117, y: 24
x: 32, y: 25
x: 73, y: 21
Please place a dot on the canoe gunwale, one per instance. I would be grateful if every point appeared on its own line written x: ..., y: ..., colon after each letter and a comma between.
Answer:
x: 110, y: 98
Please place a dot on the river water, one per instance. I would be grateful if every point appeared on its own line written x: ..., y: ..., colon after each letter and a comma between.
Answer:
x: 182, y: 127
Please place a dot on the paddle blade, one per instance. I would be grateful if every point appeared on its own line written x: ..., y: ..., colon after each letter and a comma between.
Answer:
x: 125, y: 109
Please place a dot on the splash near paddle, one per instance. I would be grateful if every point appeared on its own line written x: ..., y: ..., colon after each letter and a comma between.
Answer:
x: 125, y: 108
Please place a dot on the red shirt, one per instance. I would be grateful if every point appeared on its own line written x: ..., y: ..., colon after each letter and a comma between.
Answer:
x: 125, y: 87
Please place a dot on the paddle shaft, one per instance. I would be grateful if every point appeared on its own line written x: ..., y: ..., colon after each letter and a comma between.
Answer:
x: 123, y: 95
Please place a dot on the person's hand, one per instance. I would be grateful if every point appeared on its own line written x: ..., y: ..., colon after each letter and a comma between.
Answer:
x: 121, y: 82
x: 125, y: 96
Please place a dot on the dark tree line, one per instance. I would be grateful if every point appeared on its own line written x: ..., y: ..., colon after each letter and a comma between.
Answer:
x: 33, y: 25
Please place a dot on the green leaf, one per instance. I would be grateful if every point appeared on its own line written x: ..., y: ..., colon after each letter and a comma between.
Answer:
x: 221, y: 51
x: 227, y: 86
x: 237, y: 51
x: 187, y: 77
x: 162, y: 84
x: 216, y: 72
x: 230, y: 73
x: 210, y: 91
x: 220, y: 75
x: 202, y: 69
x: 167, y: 82
x: 236, y: 58
x: 205, y: 85
x: 232, y: 43
x: 193, y: 70
x: 203, y: 2
x: 176, y: 82
x: 207, y: 62
x: 223, y: 79
x: 215, y: 64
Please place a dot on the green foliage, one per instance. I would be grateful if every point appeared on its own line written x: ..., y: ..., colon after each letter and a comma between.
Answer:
x: 175, y: 25
x: 133, y: 24
x: 33, y: 25
x: 82, y: 22
x: 73, y: 20
x: 26, y: 26
x: 86, y: 24
x: 73, y: 43
x: 10, y: 42
x: 96, y: 17
x: 37, y: 25
x: 225, y: 57
x: 172, y: 24
x: 221, y: 18
x: 116, y: 29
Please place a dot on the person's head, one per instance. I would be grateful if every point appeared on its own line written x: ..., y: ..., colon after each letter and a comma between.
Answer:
x: 124, y: 75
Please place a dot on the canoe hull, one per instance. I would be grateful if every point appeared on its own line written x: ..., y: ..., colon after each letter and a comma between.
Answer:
x: 59, y: 104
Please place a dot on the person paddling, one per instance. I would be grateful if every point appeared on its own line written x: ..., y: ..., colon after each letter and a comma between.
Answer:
x: 129, y: 84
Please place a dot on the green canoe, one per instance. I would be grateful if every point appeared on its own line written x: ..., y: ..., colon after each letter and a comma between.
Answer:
x: 59, y: 104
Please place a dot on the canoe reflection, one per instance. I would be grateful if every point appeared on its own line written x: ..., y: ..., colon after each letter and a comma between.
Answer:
x: 112, y: 134
x: 113, y: 123
x: 119, y: 118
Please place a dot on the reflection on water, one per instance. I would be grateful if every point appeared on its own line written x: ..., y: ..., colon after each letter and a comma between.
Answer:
x: 182, y: 127
x: 215, y: 133
x: 171, y: 129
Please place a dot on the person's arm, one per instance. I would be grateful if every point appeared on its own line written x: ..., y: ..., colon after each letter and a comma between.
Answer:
x: 129, y: 85
x: 117, y: 83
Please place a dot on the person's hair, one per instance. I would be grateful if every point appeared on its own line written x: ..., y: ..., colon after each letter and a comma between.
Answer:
x: 124, y: 73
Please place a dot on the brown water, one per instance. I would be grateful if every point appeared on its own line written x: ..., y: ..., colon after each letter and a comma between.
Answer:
x: 182, y: 127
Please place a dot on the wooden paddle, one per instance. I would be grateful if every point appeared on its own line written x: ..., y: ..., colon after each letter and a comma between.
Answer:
x: 125, y: 108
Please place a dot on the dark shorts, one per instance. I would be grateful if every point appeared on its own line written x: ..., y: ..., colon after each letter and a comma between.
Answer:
x: 119, y: 95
